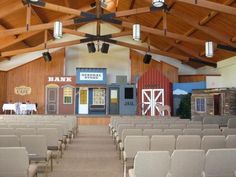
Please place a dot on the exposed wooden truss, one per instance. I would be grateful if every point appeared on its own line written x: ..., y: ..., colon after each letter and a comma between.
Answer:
x: 173, y: 39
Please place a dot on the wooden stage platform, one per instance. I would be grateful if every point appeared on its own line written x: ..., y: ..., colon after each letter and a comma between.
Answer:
x: 93, y: 119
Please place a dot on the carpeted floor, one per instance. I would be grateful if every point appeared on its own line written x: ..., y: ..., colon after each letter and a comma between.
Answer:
x: 92, y: 154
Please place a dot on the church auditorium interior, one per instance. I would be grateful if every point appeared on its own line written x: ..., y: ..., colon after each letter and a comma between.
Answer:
x: 117, y: 88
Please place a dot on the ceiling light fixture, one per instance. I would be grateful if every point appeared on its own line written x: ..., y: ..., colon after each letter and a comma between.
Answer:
x: 136, y: 32
x: 147, y: 58
x: 158, y: 3
x: 91, y: 47
x: 57, y: 31
x: 209, y: 49
x: 105, y: 48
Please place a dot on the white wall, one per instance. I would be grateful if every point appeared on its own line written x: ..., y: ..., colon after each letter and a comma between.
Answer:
x: 227, y: 71
x: 117, y: 60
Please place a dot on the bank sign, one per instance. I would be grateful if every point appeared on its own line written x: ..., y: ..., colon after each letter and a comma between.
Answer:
x: 91, y: 75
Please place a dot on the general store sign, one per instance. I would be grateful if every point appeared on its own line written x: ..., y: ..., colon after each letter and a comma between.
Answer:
x: 22, y: 90
x: 87, y: 76
x: 91, y: 75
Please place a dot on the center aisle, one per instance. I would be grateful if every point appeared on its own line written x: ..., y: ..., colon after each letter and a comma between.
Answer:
x: 92, y: 154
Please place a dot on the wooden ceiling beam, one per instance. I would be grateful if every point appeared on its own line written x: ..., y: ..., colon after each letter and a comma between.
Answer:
x: 211, y: 5
x: 146, y: 49
x: 165, y: 34
x: 24, y: 36
x: 58, y: 8
x: 131, y: 6
x: 188, y: 51
x: 42, y: 47
x: 209, y: 31
x: 203, y: 21
x: 10, y: 8
x: 38, y: 27
x: 233, y: 39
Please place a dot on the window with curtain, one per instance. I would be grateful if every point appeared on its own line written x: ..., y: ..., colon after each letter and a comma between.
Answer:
x: 200, y: 104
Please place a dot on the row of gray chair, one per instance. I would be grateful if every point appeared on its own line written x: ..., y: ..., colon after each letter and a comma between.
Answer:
x: 185, y: 163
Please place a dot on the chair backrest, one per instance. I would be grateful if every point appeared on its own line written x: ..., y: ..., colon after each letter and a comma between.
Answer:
x: 175, y: 132
x: 14, y: 162
x: 187, y: 163
x: 195, y: 126
x: 220, y: 163
x: 9, y: 141
x: 25, y: 131
x: 7, y: 131
x: 133, y: 144
x: 35, y: 144
x: 177, y: 126
x: 229, y: 131
x: 212, y: 120
x: 151, y: 163
x: 212, y: 142
x: 151, y: 132
x: 191, y: 131
x: 188, y: 142
x: 51, y: 135
x: 231, y: 141
x: 231, y: 123
x: 129, y: 132
x: 162, y: 143
x: 207, y: 132
x: 161, y: 126
x: 210, y: 126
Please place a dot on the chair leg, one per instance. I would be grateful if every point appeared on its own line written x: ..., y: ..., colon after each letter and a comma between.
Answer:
x: 51, y: 163
x: 125, y: 168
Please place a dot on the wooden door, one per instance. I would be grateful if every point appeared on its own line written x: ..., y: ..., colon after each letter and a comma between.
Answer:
x: 114, y: 100
x: 52, y: 100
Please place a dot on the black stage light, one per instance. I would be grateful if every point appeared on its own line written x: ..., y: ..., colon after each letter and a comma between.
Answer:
x: 147, y: 58
x: 105, y: 48
x: 91, y: 47
x: 47, y: 57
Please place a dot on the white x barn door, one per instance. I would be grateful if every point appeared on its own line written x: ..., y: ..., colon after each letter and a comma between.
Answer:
x: 150, y: 99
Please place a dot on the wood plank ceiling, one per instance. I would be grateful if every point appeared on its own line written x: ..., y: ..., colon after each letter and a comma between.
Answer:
x: 180, y: 31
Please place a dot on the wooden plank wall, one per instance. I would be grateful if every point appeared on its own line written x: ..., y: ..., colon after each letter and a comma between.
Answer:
x: 192, y: 78
x: 33, y: 75
x: 138, y: 67
x: 3, y: 88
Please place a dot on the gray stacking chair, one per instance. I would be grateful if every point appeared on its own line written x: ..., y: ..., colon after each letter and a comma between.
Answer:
x: 187, y: 163
x: 150, y: 164
x: 15, y: 163
x: 36, y: 145
x: 220, y: 163
x: 188, y: 142
x: 9, y: 141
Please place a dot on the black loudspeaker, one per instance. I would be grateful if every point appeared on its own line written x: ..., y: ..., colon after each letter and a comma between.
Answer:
x: 147, y: 58
x: 91, y: 47
x: 105, y: 48
x: 47, y: 57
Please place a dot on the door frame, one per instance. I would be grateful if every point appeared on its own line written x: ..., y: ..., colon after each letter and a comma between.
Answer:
x: 153, y: 101
x: 118, y: 99
x: 46, y: 96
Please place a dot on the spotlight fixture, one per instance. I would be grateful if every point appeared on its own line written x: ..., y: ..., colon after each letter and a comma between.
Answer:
x: 209, y: 49
x: 103, y: 4
x: 47, y: 57
x: 147, y: 58
x: 105, y: 48
x: 136, y: 32
x: 158, y: 3
x: 57, y: 31
x: 91, y: 47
